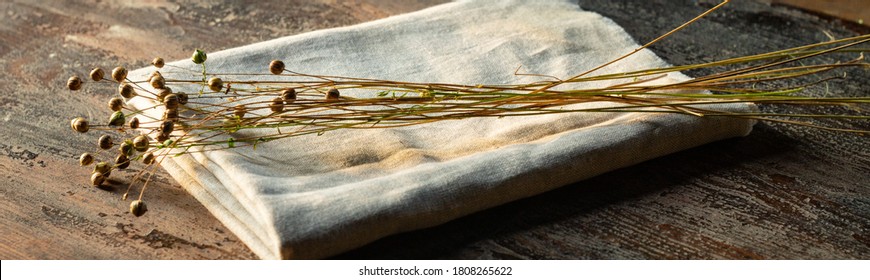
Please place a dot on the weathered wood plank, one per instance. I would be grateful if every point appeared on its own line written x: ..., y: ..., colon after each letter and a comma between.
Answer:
x: 857, y: 11
x: 782, y: 192
x: 47, y: 208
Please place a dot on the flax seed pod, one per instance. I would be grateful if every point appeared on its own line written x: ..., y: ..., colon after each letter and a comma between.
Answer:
x: 134, y: 123
x: 170, y: 101
x: 157, y: 62
x: 117, y: 119
x: 97, y: 179
x: 86, y: 159
x: 115, y: 104
x: 157, y: 82
x: 103, y: 168
x: 161, y: 93
x: 182, y: 98
x: 126, y: 147
x: 289, y: 96
x: 276, y: 67
x: 277, y: 105
x: 140, y: 143
x: 198, y: 56
x: 148, y: 158
x: 215, y: 84
x: 74, y: 83
x: 126, y: 90
x: 105, y: 142
x: 119, y: 74
x: 79, y: 125
x: 138, y: 208
x: 122, y: 161
x: 170, y: 115
x: 166, y: 127
x: 97, y: 74
x: 332, y: 94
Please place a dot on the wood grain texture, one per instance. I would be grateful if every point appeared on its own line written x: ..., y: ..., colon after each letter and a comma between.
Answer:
x: 783, y: 192
x: 47, y: 208
x: 857, y: 11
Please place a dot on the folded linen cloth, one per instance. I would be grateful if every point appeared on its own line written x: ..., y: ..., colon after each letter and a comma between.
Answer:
x: 316, y: 196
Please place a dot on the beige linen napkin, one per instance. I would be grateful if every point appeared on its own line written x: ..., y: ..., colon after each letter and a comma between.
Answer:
x: 316, y: 196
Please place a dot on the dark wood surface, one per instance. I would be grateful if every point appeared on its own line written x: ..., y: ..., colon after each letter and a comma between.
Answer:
x: 782, y: 192
x: 857, y: 11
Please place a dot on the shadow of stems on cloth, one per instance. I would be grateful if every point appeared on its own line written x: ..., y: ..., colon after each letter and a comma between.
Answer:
x: 563, y: 220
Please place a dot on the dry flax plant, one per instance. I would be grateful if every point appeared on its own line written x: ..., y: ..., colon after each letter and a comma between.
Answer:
x: 298, y: 104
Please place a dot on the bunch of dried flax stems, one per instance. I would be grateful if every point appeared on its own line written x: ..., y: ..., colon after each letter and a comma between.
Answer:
x: 293, y: 104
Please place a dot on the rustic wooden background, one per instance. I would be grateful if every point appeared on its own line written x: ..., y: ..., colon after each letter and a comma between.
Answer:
x: 782, y: 192
x: 857, y: 11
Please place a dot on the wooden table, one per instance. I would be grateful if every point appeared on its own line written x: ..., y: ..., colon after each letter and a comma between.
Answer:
x: 782, y: 192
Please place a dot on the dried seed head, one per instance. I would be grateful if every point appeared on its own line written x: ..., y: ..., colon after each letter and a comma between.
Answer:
x: 170, y: 115
x: 126, y: 90
x: 137, y: 208
x: 198, y: 56
x: 162, y: 137
x: 170, y: 101
x: 126, y: 147
x: 289, y: 95
x: 97, y: 179
x: 79, y: 124
x: 277, y: 105
x: 115, y: 104
x: 117, y: 119
x: 148, y: 158
x: 97, y: 74
x: 154, y: 74
x: 119, y: 74
x: 122, y: 162
x: 215, y: 84
x: 182, y: 98
x: 105, y: 142
x: 161, y: 93
x: 74, y: 83
x: 157, y: 62
x: 332, y: 94
x: 166, y: 127
x: 86, y: 159
x: 103, y: 168
x: 134, y: 123
x: 240, y: 111
x: 158, y: 82
x: 276, y: 67
x: 140, y: 143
